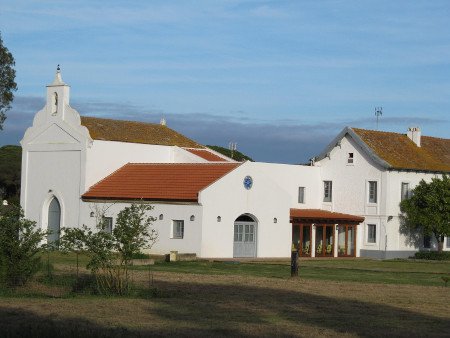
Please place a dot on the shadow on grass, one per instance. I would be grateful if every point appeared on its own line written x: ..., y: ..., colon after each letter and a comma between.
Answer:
x: 196, y: 309
x: 224, y: 306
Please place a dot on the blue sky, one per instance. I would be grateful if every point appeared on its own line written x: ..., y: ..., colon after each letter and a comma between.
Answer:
x: 280, y: 78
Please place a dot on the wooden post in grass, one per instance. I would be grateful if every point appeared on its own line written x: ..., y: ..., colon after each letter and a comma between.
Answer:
x: 294, y: 263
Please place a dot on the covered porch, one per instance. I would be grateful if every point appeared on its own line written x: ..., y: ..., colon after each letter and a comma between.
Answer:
x: 321, y: 233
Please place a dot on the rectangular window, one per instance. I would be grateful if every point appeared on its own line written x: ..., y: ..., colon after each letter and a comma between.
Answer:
x: 405, y: 191
x: 107, y: 224
x: 327, y: 191
x: 350, y: 158
x: 373, y: 191
x: 371, y: 233
x: 448, y: 242
x: 426, y: 241
x: 249, y: 233
x: 178, y: 229
x: 301, y: 194
x: 238, y: 232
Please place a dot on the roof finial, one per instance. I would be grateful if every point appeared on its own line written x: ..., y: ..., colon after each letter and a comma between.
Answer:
x: 58, y: 79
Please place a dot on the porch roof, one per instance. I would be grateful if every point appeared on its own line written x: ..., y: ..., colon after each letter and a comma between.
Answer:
x: 323, y: 216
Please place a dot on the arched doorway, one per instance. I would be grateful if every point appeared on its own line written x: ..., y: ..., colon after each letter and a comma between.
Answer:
x: 245, y: 231
x: 54, y: 220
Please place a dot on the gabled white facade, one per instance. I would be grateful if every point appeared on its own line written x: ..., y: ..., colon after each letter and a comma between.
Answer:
x: 60, y: 160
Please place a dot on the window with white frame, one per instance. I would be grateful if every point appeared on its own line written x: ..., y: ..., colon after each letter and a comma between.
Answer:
x: 371, y: 233
x: 301, y: 194
x: 350, y: 158
x: 327, y: 191
x: 406, y: 192
x: 373, y: 191
x: 177, y: 229
x: 107, y: 224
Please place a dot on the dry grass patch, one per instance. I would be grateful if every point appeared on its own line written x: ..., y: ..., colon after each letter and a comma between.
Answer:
x: 224, y: 305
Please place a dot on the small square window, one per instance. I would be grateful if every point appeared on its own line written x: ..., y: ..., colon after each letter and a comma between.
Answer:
x: 107, y: 224
x: 301, y: 194
x: 371, y: 233
x: 327, y: 191
x: 373, y: 191
x: 350, y: 158
x: 178, y: 229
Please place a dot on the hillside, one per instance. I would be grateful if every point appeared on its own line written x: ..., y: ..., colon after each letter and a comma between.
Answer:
x: 10, y: 163
x: 237, y: 155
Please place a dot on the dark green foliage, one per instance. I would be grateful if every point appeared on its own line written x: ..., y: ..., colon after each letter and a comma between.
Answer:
x: 10, y: 165
x: 7, y: 83
x: 433, y: 255
x: 19, y: 246
x: 428, y: 209
x: 237, y: 155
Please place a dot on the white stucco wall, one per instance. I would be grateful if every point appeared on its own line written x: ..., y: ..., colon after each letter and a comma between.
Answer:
x: 266, y: 200
x: 104, y: 157
x: 190, y: 243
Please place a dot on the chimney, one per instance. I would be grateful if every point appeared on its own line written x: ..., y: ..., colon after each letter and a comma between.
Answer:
x: 414, y: 134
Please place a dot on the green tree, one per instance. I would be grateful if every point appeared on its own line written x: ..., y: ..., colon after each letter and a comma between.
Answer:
x: 110, y: 255
x: 7, y: 83
x: 20, y: 242
x: 428, y: 209
x: 10, y: 166
x: 236, y: 155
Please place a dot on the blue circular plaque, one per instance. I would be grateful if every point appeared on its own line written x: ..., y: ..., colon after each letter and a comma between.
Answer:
x: 248, y: 182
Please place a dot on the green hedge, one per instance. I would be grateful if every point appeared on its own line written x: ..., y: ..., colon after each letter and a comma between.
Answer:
x: 433, y: 255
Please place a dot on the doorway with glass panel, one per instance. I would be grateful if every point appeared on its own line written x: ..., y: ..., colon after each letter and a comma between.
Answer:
x: 346, y: 240
x: 301, y: 239
x: 245, y: 230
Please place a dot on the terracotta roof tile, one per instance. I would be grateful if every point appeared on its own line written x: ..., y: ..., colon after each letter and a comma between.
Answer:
x: 318, y: 214
x: 207, y: 155
x: 135, y: 132
x: 402, y: 153
x: 159, y: 181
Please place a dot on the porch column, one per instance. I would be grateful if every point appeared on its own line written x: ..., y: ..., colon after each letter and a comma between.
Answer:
x: 335, y: 240
x: 313, y: 240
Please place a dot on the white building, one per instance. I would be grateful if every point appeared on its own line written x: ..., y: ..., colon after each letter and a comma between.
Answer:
x: 344, y: 204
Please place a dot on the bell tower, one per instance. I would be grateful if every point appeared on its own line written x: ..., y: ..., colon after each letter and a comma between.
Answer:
x: 58, y: 94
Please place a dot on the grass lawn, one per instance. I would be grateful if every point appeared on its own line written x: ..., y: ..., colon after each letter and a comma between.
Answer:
x: 348, y: 297
x: 352, y: 270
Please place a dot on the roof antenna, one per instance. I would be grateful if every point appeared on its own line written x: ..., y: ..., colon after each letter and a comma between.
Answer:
x: 232, y: 146
x: 378, y: 113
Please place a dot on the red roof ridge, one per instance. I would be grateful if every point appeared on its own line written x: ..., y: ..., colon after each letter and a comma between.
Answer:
x: 185, y: 163
x: 159, y: 181
x: 104, y: 178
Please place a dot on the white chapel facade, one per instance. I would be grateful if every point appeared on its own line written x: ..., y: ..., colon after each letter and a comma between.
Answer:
x: 344, y: 204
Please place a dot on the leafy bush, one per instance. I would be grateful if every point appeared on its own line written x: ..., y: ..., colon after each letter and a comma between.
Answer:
x: 433, y: 255
x: 111, y: 254
x: 19, y: 245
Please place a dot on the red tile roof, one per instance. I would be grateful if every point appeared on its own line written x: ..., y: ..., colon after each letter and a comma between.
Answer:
x: 159, y: 181
x: 135, y: 132
x: 402, y: 153
x: 207, y: 155
x: 324, y: 216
